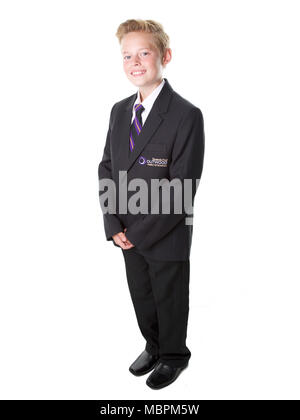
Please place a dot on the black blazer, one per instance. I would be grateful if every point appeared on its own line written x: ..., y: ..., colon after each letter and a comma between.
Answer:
x: 173, y: 130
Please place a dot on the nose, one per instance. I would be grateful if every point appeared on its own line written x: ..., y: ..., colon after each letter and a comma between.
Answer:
x: 136, y: 60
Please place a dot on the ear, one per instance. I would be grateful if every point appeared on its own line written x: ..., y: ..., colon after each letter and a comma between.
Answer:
x: 167, y: 57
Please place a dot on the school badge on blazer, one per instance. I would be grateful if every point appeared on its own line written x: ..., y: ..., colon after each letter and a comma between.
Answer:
x: 155, y: 161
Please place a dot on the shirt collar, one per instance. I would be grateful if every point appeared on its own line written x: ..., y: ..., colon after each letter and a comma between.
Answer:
x: 148, y: 102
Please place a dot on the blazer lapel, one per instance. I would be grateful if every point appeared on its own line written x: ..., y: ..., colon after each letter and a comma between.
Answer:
x: 126, y: 158
x: 123, y: 133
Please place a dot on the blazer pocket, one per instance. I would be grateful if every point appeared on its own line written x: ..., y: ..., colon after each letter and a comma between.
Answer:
x: 159, y: 147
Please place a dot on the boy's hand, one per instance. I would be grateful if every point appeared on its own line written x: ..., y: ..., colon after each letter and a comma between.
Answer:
x: 128, y: 241
x: 121, y: 240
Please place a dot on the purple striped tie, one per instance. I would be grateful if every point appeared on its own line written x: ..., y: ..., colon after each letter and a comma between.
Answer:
x: 136, y: 126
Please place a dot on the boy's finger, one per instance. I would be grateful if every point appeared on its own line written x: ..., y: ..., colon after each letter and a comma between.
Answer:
x: 122, y: 237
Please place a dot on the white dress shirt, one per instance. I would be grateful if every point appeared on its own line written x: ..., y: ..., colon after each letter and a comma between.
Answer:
x: 148, y: 102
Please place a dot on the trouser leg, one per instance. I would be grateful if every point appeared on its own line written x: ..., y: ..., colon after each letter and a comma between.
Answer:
x: 139, y: 283
x: 170, y: 286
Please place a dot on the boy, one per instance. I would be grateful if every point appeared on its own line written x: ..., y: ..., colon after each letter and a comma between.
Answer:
x: 153, y: 134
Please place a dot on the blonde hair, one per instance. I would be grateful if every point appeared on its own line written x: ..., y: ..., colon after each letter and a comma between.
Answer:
x: 160, y: 38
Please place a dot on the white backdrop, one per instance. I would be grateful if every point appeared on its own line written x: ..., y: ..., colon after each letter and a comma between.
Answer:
x: 67, y: 324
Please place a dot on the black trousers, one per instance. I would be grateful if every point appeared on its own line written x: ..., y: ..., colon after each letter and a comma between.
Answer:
x: 160, y: 294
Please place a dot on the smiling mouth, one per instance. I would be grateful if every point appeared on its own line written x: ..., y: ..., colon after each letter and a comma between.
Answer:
x: 138, y: 73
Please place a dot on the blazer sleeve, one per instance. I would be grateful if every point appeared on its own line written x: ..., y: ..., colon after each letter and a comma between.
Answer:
x: 112, y: 224
x: 186, y: 163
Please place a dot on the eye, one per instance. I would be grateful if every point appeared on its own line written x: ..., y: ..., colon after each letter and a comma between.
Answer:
x: 125, y: 57
x: 145, y: 52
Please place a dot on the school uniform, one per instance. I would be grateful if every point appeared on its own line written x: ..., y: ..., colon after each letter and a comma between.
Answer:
x: 170, y: 145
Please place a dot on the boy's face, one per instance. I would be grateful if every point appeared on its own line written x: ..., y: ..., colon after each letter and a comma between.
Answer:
x: 141, y: 59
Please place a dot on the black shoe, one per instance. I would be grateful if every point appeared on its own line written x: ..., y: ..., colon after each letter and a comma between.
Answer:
x: 163, y: 375
x: 143, y: 364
